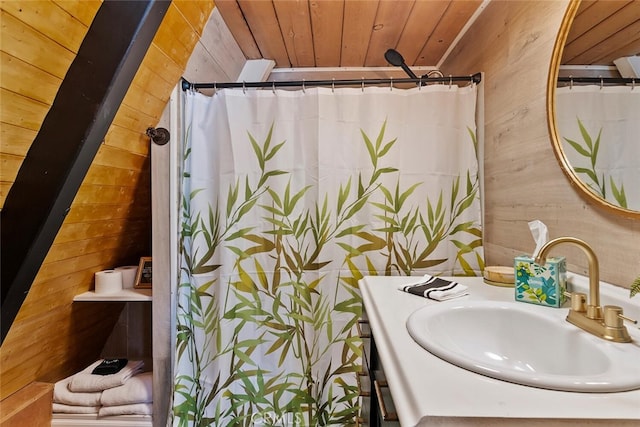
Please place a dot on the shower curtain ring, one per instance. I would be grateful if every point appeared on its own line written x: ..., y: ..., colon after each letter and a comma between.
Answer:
x: 362, y: 83
x: 244, y: 87
x: 303, y: 88
x: 601, y: 82
x: 391, y: 84
x: 273, y: 87
x: 450, y: 81
x: 633, y: 84
x: 333, y: 85
x: 570, y: 82
x: 420, y: 83
x: 215, y: 87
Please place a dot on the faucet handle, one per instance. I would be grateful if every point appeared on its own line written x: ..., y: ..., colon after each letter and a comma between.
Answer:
x: 578, y: 301
x: 613, y: 316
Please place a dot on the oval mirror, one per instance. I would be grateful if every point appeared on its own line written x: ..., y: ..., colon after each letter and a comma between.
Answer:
x: 594, y: 104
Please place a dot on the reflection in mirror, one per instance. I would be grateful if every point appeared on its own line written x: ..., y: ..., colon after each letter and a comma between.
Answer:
x: 594, y: 103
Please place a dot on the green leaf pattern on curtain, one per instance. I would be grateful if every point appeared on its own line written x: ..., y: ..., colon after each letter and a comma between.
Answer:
x: 280, y: 301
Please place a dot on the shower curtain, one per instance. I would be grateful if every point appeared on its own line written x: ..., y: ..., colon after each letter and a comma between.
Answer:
x: 599, y: 128
x: 288, y: 199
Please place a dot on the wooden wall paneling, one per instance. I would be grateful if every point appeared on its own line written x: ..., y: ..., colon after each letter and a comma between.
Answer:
x: 80, y: 330
x: 136, y: 142
x: 27, y: 80
x: 118, y: 158
x: 58, y: 25
x: 262, y: 18
x: 15, y: 139
x: 108, y: 225
x: 512, y: 43
x: 295, y: 24
x: 21, y: 111
x: 176, y: 37
x: 9, y: 166
x: 35, y: 48
x: 359, y: 18
x: 196, y: 13
x: 147, y: 80
x: 93, y: 342
x: 133, y: 212
x: 217, y: 55
x: 162, y: 67
x: 423, y: 20
x: 82, y: 10
x: 130, y: 118
x: 142, y: 100
x: 230, y: 10
x: 30, y: 406
x: 386, y: 30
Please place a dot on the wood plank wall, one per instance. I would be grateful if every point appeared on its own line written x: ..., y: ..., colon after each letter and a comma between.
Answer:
x: 512, y: 42
x: 110, y: 219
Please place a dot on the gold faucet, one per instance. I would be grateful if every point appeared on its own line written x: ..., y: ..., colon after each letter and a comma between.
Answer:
x: 589, y: 316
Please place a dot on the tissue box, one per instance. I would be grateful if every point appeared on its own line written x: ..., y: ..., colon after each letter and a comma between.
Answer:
x: 543, y: 285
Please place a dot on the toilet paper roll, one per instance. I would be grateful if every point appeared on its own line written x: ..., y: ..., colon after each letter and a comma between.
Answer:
x: 108, y: 281
x: 128, y: 275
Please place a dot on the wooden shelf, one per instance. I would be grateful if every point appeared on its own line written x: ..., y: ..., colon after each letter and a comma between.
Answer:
x: 122, y: 296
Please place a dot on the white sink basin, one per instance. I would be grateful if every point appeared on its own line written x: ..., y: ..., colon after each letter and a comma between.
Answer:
x: 525, y: 344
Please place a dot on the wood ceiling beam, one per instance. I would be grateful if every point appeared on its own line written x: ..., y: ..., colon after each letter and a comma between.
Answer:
x: 68, y: 140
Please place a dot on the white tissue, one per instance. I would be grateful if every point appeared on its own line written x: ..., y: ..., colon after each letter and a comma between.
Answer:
x: 540, y: 235
x: 108, y: 281
x: 128, y: 275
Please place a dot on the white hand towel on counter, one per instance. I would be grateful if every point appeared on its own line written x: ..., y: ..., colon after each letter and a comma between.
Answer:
x: 137, y: 389
x: 133, y: 409
x: 435, y: 288
x: 60, y: 408
x: 62, y: 394
x: 85, y: 381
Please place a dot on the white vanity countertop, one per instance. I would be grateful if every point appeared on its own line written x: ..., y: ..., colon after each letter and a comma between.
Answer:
x: 426, y: 389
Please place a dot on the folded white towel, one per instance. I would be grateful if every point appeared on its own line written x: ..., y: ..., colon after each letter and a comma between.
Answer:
x: 62, y: 394
x: 435, y: 288
x: 137, y: 389
x: 60, y: 408
x: 133, y: 409
x: 85, y: 381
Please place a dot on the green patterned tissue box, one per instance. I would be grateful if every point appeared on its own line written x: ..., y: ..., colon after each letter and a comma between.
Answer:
x: 543, y: 285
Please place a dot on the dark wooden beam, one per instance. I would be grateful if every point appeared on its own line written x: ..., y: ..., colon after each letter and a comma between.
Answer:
x: 69, y: 139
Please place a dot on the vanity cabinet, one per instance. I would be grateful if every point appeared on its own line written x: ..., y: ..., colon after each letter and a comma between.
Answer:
x: 376, y: 404
x: 430, y: 391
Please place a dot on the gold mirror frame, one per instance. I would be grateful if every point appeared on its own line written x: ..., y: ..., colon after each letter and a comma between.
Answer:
x: 558, y: 150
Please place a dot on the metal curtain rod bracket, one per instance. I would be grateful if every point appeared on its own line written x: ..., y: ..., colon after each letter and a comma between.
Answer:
x: 158, y: 135
x: 473, y: 78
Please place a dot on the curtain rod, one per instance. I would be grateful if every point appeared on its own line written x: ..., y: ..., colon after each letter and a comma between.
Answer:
x: 186, y: 85
x: 601, y: 80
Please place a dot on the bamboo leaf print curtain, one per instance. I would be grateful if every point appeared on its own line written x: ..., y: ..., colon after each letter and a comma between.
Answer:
x: 288, y: 199
x: 599, y: 128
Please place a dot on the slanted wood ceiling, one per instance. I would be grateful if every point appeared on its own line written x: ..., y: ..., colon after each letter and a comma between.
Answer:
x: 603, y: 30
x: 109, y: 222
x: 346, y: 33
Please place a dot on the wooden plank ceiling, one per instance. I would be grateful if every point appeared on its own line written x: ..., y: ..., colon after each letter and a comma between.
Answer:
x: 602, y: 31
x: 356, y: 33
x: 346, y: 33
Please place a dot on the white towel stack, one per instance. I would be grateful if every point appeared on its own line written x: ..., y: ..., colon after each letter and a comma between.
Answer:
x: 127, y: 392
